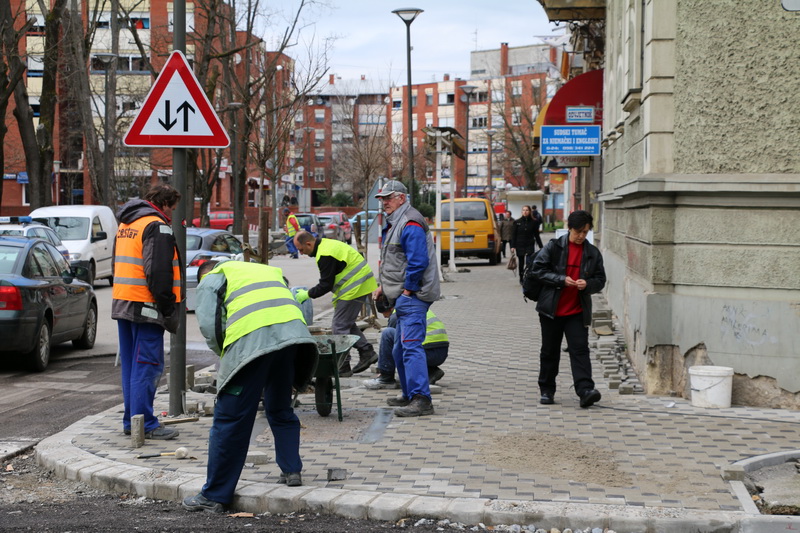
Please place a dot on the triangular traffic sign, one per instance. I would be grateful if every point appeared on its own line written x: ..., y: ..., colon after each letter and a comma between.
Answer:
x: 176, y: 112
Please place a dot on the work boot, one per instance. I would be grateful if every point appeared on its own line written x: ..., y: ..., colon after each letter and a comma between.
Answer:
x: 590, y: 397
x: 420, y: 406
x: 434, y: 375
x: 162, y: 433
x: 384, y: 381
x: 201, y: 503
x: 291, y: 479
x: 345, y: 371
x: 365, y: 360
x: 398, y: 401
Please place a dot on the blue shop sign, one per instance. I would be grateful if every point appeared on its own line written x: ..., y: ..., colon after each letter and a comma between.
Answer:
x: 570, y: 140
x: 22, y: 177
x: 9, y: 176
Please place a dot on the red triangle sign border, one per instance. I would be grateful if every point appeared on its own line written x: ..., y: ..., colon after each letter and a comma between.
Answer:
x: 177, y: 64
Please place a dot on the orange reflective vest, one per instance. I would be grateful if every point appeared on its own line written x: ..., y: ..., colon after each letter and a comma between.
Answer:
x: 130, y: 281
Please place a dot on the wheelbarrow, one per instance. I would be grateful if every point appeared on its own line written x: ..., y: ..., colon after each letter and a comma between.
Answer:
x: 332, y: 350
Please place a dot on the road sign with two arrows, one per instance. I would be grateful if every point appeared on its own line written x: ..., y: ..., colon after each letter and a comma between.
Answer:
x: 176, y: 112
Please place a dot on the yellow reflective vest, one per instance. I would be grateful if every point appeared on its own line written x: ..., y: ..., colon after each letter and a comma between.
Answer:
x: 130, y: 281
x: 356, y: 279
x: 434, y: 330
x: 255, y: 298
x: 290, y: 229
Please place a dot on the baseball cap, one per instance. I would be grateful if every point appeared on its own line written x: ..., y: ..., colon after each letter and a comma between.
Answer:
x: 392, y: 186
x: 286, y: 210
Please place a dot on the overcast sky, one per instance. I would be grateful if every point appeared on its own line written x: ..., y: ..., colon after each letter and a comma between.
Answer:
x: 371, y: 40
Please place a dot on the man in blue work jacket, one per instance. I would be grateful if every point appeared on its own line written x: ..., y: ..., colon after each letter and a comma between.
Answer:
x: 409, y: 280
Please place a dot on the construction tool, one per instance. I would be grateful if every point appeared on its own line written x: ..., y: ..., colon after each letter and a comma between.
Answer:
x: 180, y: 453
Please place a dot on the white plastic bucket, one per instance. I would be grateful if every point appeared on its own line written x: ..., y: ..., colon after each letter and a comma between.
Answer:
x: 711, y: 386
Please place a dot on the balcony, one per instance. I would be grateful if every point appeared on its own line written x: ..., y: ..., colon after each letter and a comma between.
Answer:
x: 558, y: 10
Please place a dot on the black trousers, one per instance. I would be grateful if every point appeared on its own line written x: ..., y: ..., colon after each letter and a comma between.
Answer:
x: 553, y: 330
x: 523, y: 257
x: 538, y: 238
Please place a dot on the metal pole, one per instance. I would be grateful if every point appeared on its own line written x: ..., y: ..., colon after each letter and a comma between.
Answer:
x: 466, y: 151
x: 439, y: 201
x: 412, y: 196
x: 106, y: 181
x: 177, y: 341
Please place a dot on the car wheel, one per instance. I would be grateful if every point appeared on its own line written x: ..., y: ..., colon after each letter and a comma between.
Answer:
x: 86, y: 340
x: 492, y: 258
x: 39, y: 357
x: 229, y: 228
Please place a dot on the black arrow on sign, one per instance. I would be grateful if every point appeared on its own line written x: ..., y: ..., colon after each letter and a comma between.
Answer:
x: 166, y: 124
x: 185, y: 107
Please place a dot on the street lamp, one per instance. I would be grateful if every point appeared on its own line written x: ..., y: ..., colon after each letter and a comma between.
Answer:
x: 489, y: 133
x: 108, y: 59
x: 408, y: 14
x: 468, y: 90
x: 235, y: 185
x: 57, y: 172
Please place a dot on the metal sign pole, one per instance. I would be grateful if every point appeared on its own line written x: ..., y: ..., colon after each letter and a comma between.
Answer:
x: 177, y: 344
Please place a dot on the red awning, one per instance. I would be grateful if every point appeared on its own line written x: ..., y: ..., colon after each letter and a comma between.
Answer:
x: 585, y: 90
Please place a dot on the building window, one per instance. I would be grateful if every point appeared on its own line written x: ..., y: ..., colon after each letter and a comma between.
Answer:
x: 319, y: 175
x: 428, y: 99
x: 35, y: 66
x: 319, y: 155
x: 319, y: 135
x: 447, y: 98
x: 482, y: 96
x: 516, y: 88
x: 516, y: 116
x: 498, y: 95
x: 397, y: 103
x: 479, y: 122
x: 447, y: 122
x: 319, y: 116
x: 189, y: 17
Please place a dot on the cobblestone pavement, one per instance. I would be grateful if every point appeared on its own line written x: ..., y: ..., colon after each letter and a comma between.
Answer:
x: 664, y: 452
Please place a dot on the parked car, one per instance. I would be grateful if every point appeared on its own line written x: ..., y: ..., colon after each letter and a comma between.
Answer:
x: 309, y: 222
x: 366, y: 219
x: 475, y: 233
x: 88, y: 232
x: 217, y: 220
x: 27, y: 227
x: 43, y: 301
x: 201, y: 245
x: 338, y: 221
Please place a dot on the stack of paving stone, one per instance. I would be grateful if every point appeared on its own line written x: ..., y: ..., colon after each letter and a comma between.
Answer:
x: 609, y: 348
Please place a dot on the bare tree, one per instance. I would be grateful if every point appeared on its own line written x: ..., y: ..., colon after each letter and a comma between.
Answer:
x: 517, y: 151
x: 364, y: 153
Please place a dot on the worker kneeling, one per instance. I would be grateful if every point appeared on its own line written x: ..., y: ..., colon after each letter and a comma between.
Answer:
x: 436, y: 346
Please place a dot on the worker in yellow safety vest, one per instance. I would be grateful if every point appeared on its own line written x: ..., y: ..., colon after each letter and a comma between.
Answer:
x: 291, y: 227
x: 344, y: 272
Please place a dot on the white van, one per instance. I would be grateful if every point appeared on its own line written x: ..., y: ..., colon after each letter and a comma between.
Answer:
x: 88, y: 232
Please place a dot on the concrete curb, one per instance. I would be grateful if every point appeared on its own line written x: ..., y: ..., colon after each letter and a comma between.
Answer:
x: 59, y: 454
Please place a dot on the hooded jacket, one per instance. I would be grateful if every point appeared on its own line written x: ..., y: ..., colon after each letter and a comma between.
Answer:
x: 158, y: 250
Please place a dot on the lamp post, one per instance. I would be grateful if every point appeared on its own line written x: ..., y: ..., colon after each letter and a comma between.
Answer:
x: 109, y: 62
x: 57, y: 171
x: 235, y: 182
x: 489, y: 133
x: 468, y: 90
x: 408, y: 14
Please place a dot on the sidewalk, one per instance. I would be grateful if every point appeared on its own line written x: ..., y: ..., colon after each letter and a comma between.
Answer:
x: 491, y: 454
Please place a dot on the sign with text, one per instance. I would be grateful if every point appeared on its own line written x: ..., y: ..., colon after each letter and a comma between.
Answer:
x: 570, y: 140
x: 580, y: 114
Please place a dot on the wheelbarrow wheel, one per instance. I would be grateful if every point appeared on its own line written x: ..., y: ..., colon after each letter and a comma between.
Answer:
x: 323, y: 395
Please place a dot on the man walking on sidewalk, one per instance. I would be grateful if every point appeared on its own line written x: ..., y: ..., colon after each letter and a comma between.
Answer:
x: 344, y: 272
x: 410, y: 282
x: 570, y: 270
x: 291, y: 227
x: 248, y: 315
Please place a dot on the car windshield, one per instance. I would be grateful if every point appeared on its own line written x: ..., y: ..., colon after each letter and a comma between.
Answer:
x: 193, y: 242
x: 465, y: 211
x: 325, y: 220
x: 304, y: 220
x: 70, y: 228
x: 8, y: 256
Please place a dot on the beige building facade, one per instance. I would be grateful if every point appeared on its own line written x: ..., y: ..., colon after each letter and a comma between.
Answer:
x: 700, y: 196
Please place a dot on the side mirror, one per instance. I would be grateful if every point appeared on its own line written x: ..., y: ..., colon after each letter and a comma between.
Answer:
x: 80, y: 272
x: 100, y: 236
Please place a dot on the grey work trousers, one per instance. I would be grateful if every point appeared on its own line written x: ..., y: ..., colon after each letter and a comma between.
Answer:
x: 344, y: 322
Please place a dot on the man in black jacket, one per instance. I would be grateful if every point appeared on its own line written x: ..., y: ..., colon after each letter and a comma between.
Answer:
x: 523, y: 238
x: 570, y: 270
